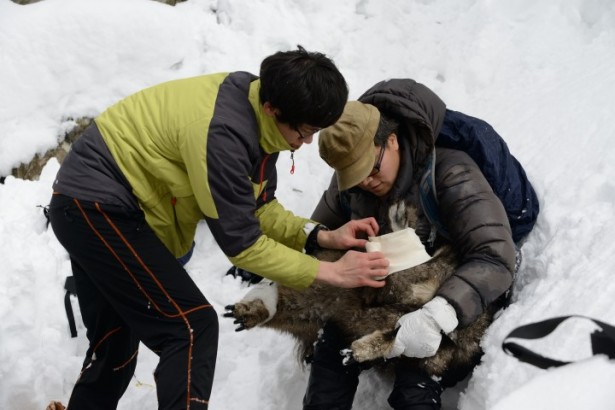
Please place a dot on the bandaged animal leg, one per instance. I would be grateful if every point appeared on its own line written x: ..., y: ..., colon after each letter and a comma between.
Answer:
x: 258, y: 306
x: 249, y: 314
x: 374, y: 346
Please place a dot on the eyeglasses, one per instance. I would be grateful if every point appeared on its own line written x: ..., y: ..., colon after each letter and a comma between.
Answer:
x: 378, y: 164
x: 311, y: 132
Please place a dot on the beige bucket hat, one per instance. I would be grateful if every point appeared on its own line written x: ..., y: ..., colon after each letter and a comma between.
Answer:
x: 347, y: 145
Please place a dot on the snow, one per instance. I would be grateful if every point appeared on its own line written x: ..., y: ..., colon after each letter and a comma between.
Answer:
x: 540, y: 72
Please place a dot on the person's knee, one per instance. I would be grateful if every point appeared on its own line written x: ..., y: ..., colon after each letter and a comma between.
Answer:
x: 327, y: 351
x: 205, y: 332
x: 329, y: 389
x: 204, y: 324
x: 332, y: 384
x: 415, y: 390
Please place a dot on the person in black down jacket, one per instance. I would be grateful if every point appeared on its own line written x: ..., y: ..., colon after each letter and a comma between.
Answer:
x: 400, y: 145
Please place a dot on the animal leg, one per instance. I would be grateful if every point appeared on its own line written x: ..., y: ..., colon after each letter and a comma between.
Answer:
x: 248, y: 314
x: 373, y: 346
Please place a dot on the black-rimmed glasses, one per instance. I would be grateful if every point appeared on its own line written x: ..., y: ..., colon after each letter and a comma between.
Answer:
x: 311, y: 132
x: 378, y: 163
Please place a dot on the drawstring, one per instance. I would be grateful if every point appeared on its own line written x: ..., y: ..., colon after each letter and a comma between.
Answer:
x: 292, y: 158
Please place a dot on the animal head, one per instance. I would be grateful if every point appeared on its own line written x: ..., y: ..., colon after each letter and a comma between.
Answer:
x: 402, y: 215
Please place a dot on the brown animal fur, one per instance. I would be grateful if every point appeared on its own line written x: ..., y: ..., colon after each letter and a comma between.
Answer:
x: 367, y: 316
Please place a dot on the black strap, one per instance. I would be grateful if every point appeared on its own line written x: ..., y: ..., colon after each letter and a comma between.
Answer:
x: 311, y: 243
x: 70, y: 287
x: 602, y: 340
x: 429, y: 197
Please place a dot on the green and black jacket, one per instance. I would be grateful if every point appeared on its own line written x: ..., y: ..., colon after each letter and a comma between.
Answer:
x: 194, y: 149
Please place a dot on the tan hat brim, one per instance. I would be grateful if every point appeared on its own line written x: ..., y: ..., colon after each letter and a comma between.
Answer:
x: 357, y: 172
x: 348, y: 145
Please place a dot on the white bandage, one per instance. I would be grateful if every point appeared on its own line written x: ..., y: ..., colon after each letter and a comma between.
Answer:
x: 403, y: 249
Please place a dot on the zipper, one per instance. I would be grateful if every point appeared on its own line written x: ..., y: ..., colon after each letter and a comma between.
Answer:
x: 262, y: 177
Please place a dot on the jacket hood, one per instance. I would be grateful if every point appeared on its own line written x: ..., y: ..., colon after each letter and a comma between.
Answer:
x: 418, y: 109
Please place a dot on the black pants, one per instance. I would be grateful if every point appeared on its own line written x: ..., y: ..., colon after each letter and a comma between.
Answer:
x: 131, y: 288
x: 332, y: 386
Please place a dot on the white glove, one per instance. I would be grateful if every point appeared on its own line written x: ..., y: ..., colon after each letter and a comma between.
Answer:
x: 419, y: 331
x: 267, y: 291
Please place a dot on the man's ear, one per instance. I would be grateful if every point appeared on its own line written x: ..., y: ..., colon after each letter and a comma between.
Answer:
x: 392, y: 141
x: 270, y: 110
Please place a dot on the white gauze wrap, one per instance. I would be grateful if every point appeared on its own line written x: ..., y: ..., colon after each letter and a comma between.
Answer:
x: 403, y: 249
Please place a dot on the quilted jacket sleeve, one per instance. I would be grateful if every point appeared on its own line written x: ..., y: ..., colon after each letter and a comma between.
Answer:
x: 329, y: 210
x: 478, y: 225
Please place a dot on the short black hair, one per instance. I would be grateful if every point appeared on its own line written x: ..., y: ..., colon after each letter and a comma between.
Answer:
x: 386, y: 127
x: 306, y: 87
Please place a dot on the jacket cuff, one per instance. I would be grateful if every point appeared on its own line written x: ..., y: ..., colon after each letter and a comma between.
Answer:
x: 443, y: 313
x: 463, y: 298
x: 311, y: 243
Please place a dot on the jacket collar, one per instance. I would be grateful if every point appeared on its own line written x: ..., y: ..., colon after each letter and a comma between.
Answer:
x: 269, y: 136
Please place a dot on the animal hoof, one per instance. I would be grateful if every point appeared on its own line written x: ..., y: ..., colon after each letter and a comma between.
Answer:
x: 231, y: 313
x: 55, y: 405
x: 247, y: 315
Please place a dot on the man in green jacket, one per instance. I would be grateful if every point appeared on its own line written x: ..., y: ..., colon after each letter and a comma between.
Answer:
x: 131, y: 192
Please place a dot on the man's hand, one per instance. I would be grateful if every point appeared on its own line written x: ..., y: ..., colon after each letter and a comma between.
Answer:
x: 350, y: 235
x: 419, y: 333
x: 355, y: 269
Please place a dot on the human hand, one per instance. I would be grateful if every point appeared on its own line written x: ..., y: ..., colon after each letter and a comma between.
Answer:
x: 354, y: 269
x: 347, y: 236
x: 419, y: 333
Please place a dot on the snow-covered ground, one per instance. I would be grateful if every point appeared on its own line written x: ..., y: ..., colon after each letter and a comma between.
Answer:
x: 541, y: 72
